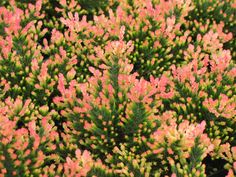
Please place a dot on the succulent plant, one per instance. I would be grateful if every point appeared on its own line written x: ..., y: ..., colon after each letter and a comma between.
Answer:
x: 117, y: 88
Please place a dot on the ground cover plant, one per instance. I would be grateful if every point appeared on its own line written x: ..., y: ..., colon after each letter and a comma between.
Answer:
x: 110, y: 88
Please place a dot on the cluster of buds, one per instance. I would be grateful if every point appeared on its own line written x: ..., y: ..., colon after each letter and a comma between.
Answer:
x: 173, y: 144
x: 113, y: 106
x: 206, y: 90
x: 30, y: 146
x: 214, y: 15
x: 25, y: 147
x: 160, y: 32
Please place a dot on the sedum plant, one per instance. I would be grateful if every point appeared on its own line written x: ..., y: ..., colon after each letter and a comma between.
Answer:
x: 117, y: 88
x: 115, y: 109
x: 216, y: 15
x: 32, y: 148
x: 160, y: 31
x: 207, y: 95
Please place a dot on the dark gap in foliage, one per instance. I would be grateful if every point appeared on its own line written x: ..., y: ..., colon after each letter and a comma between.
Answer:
x: 215, y: 168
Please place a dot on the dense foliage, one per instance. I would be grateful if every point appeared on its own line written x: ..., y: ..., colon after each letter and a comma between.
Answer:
x: 108, y: 88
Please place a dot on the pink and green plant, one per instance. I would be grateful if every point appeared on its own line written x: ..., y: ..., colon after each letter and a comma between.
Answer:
x: 117, y: 88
